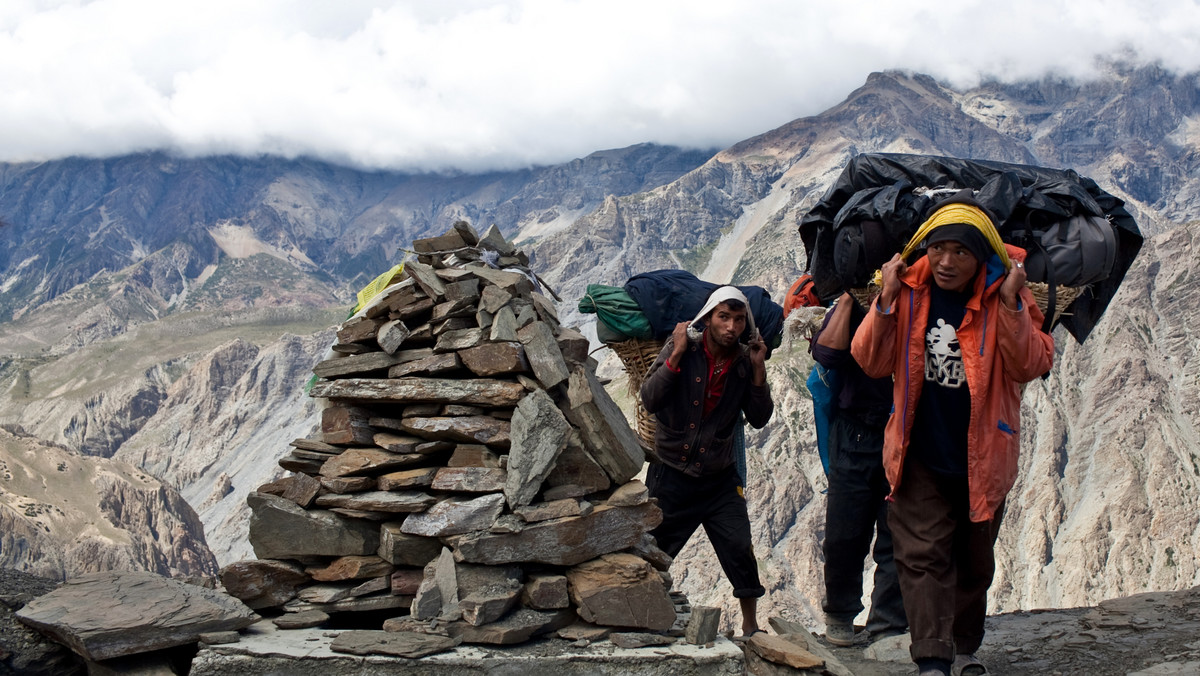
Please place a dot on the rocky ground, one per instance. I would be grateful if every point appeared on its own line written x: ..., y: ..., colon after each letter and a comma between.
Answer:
x: 1152, y: 634
x: 1156, y: 633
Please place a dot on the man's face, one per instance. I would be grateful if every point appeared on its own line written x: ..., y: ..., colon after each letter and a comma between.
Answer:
x: 953, y: 265
x: 726, y: 325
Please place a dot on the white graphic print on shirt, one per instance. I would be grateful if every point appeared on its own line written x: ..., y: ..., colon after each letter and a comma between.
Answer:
x: 943, y: 356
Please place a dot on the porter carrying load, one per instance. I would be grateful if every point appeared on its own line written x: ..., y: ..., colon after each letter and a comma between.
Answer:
x: 661, y: 299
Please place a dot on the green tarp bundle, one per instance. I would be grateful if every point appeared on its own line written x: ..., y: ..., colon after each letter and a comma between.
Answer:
x: 617, y: 311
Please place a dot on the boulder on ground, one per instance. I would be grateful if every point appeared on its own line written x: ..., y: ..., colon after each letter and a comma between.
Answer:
x: 116, y: 613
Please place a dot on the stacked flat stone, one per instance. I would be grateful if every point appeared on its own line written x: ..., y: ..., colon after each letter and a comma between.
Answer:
x: 472, y: 477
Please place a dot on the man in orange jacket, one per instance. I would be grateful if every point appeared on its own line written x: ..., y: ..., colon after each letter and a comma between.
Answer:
x: 959, y: 333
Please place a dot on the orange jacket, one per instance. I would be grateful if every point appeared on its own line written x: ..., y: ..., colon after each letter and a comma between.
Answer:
x: 1001, y: 349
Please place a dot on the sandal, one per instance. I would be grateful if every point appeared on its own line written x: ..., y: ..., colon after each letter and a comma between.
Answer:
x: 746, y: 637
x: 967, y: 665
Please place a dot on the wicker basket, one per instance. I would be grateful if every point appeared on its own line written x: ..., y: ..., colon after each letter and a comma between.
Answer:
x: 1063, y: 296
x: 637, y: 356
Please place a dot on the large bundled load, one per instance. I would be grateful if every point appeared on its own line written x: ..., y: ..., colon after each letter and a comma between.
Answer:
x: 472, y: 479
x: 1080, y: 239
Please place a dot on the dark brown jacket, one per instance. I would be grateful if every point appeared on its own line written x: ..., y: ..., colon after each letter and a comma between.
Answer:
x: 683, y: 437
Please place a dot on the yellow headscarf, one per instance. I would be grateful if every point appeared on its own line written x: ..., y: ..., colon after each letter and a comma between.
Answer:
x: 956, y: 213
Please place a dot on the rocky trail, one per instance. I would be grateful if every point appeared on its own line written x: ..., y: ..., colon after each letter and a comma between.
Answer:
x: 1151, y: 634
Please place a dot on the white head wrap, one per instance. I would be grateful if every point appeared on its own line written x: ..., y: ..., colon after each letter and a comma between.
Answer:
x: 719, y: 296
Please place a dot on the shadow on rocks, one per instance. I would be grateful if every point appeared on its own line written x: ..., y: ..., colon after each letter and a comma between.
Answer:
x: 23, y: 650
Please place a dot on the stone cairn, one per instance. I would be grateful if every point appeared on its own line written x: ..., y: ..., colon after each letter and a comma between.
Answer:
x: 472, y: 478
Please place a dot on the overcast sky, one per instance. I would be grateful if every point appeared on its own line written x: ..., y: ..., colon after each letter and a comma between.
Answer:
x: 477, y: 84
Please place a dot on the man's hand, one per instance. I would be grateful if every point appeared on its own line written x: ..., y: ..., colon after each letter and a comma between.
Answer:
x: 1013, y: 281
x: 679, y: 340
x: 758, y: 359
x: 891, y: 270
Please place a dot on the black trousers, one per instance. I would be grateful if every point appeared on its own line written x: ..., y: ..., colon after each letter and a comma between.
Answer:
x: 855, y: 512
x: 712, y: 501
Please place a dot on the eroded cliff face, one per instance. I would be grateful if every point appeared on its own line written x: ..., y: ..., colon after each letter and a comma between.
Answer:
x: 1108, y: 501
x: 223, y: 427
x: 63, y: 514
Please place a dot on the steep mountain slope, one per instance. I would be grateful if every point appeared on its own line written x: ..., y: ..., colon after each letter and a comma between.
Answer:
x: 224, y: 424
x: 1135, y: 131
x: 71, y: 220
x: 63, y: 514
x: 1108, y: 503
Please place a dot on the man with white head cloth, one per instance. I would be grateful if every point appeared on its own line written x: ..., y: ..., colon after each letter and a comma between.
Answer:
x: 696, y: 389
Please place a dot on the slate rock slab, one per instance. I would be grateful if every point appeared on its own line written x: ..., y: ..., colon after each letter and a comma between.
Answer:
x: 279, y: 529
x: 391, y: 502
x: 486, y: 593
x: 455, y: 515
x: 478, y: 392
x: 518, y: 627
x: 631, y: 640
x: 539, y: 433
x: 545, y: 591
x: 703, y: 626
x: 543, y: 354
x: 263, y: 583
x: 781, y: 651
x: 560, y: 542
x: 621, y: 590
x: 398, y: 644
x: 575, y: 466
x: 403, y: 549
x: 117, y: 613
x: 301, y: 620
x: 605, y: 431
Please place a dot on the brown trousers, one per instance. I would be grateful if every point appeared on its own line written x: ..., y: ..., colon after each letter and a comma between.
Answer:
x: 945, y: 562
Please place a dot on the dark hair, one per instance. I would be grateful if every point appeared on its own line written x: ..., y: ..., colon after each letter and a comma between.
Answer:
x: 733, y: 303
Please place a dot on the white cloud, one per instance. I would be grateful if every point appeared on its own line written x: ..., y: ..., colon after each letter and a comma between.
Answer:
x: 472, y: 84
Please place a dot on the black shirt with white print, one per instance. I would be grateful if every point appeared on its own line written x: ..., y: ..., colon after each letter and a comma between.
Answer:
x: 939, y: 434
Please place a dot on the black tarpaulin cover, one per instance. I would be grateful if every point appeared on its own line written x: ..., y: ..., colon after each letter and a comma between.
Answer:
x: 885, y: 196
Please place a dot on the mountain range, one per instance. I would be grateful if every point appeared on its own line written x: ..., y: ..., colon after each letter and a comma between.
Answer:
x: 164, y: 312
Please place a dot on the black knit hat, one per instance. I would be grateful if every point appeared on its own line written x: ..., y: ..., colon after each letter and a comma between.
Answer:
x: 967, y: 235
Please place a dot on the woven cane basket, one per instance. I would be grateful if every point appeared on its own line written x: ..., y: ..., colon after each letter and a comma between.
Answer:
x: 1063, y: 296
x: 637, y: 356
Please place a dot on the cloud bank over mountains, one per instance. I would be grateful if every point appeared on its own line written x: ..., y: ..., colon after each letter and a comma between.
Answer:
x: 473, y: 85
